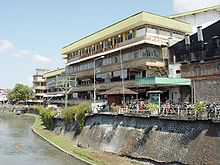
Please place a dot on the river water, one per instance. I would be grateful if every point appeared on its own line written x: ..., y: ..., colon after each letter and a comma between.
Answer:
x: 20, y: 146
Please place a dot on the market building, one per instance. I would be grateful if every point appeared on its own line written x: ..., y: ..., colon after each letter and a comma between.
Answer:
x: 199, y: 59
x: 58, y: 85
x: 54, y: 93
x: 3, y: 96
x: 201, y: 17
x: 39, y: 86
x: 122, y: 54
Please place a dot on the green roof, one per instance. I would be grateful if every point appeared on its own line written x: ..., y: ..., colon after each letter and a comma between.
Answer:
x: 194, y: 12
x: 53, y: 73
x: 162, y: 81
x: 133, y: 21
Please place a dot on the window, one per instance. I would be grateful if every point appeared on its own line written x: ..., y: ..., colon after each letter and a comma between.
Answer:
x: 164, y: 32
x: 155, y: 53
x: 125, y: 57
x: 119, y: 39
x: 79, y: 53
x: 178, y: 35
x: 92, y: 49
x: 178, y: 71
x: 108, y: 43
x: 97, y: 47
x: 130, y: 36
x: 136, y: 54
x: 151, y: 30
x: 115, y: 41
x: 140, y: 32
x: 100, y: 46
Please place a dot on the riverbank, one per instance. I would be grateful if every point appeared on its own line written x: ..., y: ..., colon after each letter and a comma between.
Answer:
x: 88, y: 155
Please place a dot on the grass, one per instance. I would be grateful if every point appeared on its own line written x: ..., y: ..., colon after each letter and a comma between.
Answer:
x: 67, y: 145
x: 89, y: 155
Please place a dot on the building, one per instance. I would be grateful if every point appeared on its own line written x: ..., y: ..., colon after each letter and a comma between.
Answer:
x: 199, y: 56
x: 55, y: 92
x: 202, y: 17
x: 3, y: 96
x: 39, y: 86
x: 122, y: 53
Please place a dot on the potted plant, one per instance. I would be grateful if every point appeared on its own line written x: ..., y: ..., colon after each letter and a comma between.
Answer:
x: 200, y: 109
x: 153, y: 108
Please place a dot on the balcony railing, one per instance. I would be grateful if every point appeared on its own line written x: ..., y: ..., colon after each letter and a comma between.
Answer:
x: 155, y: 40
x: 104, y: 86
x: 40, y: 87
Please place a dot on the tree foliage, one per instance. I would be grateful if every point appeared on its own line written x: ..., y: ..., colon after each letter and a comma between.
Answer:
x: 20, y: 92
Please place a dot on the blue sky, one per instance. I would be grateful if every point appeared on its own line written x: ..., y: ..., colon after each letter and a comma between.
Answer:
x: 32, y: 32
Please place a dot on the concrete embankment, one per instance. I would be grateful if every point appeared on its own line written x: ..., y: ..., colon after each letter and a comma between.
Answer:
x: 87, y: 155
x: 160, y: 140
x: 37, y: 128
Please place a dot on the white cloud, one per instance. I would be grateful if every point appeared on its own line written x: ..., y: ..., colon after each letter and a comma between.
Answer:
x: 21, y: 53
x: 188, y: 5
x: 5, y: 45
x: 40, y: 58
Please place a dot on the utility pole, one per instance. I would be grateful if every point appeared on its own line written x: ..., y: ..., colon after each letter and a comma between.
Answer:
x: 66, y: 94
x: 94, y: 87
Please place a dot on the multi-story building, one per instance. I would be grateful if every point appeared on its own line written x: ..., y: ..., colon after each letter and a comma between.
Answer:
x: 3, y: 96
x: 136, y: 47
x: 202, y: 17
x: 199, y: 56
x: 39, y: 86
x: 55, y: 87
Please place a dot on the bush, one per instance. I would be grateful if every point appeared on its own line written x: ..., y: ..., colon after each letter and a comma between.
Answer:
x: 68, y: 114
x: 76, y: 111
x: 38, y: 108
x: 47, y: 114
x: 81, y: 110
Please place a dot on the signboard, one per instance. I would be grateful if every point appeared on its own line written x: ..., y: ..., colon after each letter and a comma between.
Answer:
x: 154, y: 98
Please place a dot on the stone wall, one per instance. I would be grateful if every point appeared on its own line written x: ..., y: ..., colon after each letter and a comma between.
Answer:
x: 208, y: 89
x: 165, y: 141
x: 201, y: 69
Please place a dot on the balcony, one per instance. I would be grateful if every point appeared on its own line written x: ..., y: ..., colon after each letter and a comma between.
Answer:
x: 150, y: 39
x: 137, y: 63
x: 105, y: 86
x: 37, y: 78
x: 40, y: 87
x: 39, y: 94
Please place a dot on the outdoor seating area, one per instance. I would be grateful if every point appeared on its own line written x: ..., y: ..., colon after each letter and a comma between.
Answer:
x: 200, y: 110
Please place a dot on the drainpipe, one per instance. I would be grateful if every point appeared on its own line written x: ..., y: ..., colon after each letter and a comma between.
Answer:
x: 200, y: 37
x: 187, y: 43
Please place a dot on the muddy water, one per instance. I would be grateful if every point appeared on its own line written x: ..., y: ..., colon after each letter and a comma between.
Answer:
x: 19, y: 146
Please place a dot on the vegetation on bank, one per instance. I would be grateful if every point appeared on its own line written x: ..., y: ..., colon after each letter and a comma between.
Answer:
x: 47, y: 114
x: 67, y: 145
x: 76, y: 112
x: 20, y: 93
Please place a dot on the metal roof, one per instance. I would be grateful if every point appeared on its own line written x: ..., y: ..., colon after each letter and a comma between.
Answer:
x: 54, y: 73
x: 162, y: 81
x: 194, y: 12
x: 119, y: 91
x: 133, y: 21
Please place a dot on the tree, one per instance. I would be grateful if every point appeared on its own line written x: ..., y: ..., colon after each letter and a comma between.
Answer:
x: 20, y: 92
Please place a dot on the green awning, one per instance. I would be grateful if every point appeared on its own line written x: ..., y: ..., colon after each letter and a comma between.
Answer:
x: 162, y: 81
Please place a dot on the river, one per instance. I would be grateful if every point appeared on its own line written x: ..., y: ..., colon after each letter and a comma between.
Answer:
x: 20, y: 146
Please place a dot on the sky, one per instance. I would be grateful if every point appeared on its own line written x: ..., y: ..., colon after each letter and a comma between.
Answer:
x: 33, y: 32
